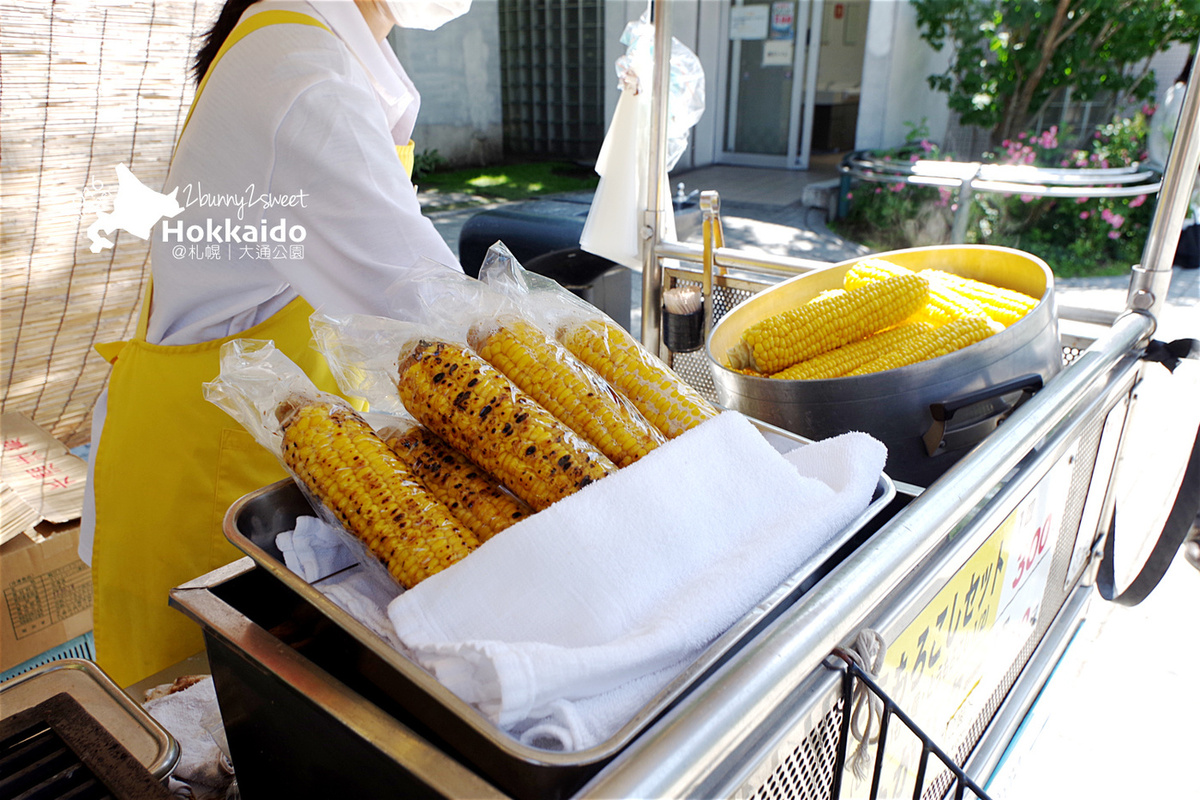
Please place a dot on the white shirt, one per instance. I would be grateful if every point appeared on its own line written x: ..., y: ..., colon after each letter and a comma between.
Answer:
x: 290, y: 115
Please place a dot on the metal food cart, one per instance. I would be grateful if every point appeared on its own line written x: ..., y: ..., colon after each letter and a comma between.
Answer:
x: 974, y: 584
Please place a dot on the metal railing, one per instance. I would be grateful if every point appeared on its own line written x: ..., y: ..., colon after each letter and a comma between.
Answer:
x: 976, y: 176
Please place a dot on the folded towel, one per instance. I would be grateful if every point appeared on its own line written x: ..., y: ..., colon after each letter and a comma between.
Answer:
x: 313, y: 550
x: 316, y: 552
x: 560, y: 629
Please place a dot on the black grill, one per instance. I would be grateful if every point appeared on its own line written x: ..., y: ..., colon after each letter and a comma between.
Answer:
x: 57, y: 750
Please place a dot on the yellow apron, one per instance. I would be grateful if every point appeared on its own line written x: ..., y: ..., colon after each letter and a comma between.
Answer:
x: 168, y: 466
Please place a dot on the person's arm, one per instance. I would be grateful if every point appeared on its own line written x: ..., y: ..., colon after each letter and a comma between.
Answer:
x: 362, y: 223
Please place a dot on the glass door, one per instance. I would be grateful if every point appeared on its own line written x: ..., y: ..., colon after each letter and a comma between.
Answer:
x: 768, y: 99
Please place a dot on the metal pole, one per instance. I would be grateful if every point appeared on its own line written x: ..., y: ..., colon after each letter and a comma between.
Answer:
x: 966, y: 191
x: 652, y: 225
x: 1151, y: 279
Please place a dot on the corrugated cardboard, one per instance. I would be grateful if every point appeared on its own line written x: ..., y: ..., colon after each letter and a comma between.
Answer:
x: 45, y: 590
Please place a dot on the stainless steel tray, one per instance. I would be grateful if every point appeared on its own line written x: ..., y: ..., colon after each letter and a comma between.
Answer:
x: 253, y: 522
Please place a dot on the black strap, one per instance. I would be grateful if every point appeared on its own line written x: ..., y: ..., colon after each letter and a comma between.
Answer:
x: 1179, y: 522
x: 1169, y: 354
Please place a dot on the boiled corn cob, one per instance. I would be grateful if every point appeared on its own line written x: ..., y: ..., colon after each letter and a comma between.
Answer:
x: 939, y: 341
x: 663, y: 398
x: 472, y: 495
x: 1006, y: 306
x: 778, y: 342
x: 337, y: 456
x: 566, y: 387
x: 945, y: 302
x: 839, y: 361
x: 475, y: 409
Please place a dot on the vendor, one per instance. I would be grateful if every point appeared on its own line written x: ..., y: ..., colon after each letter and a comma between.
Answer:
x: 293, y: 173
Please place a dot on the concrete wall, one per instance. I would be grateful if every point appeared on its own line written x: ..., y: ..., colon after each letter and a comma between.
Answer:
x: 894, y: 86
x: 457, y: 71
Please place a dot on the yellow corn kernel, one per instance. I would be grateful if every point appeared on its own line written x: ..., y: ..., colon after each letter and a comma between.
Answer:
x: 663, y: 398
x: 566, y: 387
x: 782, y: 340
x: 945, y: 302
x: 1005, y: 306
x: 471, y: 494
x: 346, y: 466
x: 839, y: 361
x: 939, y: 341
x: 482, y: 414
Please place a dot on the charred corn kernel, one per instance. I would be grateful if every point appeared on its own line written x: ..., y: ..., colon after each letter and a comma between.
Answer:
x: 482, y: 414
x: 939, y: 341
x: 839, y: 361
x: 778, y: 342
x: 566, y: 387
x: 355, y: 474
x: 471, y: 494
x: 1005, y: 306
x: 945, y: 302
x: 663, y: 398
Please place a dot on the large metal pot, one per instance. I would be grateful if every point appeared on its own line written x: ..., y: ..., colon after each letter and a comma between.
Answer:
x: 928, y: 414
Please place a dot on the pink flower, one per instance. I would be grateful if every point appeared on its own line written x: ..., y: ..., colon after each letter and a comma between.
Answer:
x: 1116, y: 220
x: 926, y: 145
x: 878, y: 189
x: 1026, y: 198
x: 1114, y: 235
x: 1137, y: 201
x: 1021, y: 135
x: 897, y: 187
x: 1082, y: 199
x: 849, y: 195
x: 1084, y: 214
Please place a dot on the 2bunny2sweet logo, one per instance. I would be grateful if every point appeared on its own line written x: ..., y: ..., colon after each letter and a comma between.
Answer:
x: 137, y: 209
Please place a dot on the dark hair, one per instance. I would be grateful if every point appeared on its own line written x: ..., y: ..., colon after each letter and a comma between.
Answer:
x: 231, y: 12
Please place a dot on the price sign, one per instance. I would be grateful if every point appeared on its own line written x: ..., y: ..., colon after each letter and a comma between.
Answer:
x: 944, y: 667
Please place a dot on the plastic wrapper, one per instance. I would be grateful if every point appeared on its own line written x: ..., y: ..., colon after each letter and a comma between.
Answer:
x: 392, y: 524
x: 364, y: 354
x: 481, y: 413
x: 565, y: 386
x: 474, y: 496
x: 662, y: 397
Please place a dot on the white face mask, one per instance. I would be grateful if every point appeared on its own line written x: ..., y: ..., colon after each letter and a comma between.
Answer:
x: 426, y: 15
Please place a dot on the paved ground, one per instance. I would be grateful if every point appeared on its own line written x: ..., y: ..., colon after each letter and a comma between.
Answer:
x: 1119, y: 718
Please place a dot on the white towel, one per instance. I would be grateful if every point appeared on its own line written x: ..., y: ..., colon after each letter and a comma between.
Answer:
x: 561, y: 628
x: 316, y: 553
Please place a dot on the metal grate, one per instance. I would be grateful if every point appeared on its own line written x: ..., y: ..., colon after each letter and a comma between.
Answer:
x: 807, y: 772
x: 56, y: 749
x: 552, y: 77
x: 693, y: 367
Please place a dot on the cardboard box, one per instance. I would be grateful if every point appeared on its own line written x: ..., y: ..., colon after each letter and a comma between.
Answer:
x: 45, y: 590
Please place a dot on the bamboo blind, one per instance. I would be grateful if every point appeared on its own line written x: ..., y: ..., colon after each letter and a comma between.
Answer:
x: 85, y: 85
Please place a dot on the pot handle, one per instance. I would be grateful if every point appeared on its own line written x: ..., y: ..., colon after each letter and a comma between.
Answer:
x: 979, y: 412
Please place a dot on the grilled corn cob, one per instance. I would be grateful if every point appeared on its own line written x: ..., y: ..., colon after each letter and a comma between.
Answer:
x: 1006, y: 306
x: 566, y: 387
x: 945, y: 302
x: 663, y: 398
x: 475, y: 409
x: 839, y: 361
x: 472, y: 495
x: 952, y: 336
x: 819, y: 325
x: 353, y: 472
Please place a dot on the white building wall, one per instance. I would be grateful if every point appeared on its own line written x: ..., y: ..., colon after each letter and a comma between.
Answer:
x: 457, y: 71
x: 894, y: 85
